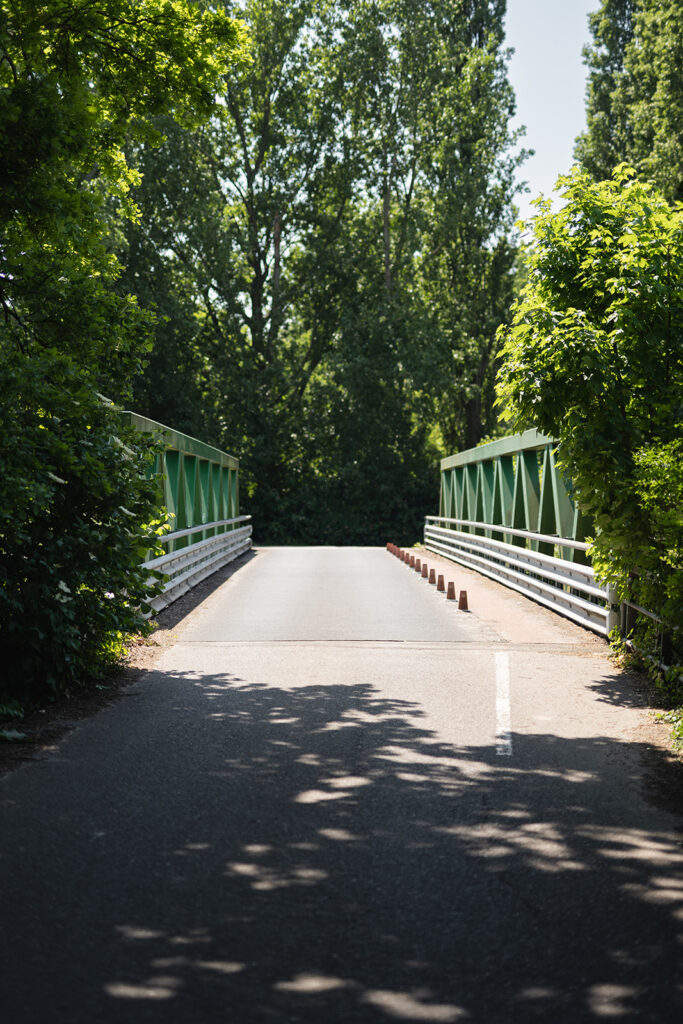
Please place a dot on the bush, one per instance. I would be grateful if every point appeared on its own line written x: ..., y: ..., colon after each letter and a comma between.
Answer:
x: 594, y: 357
x: 74, y: 493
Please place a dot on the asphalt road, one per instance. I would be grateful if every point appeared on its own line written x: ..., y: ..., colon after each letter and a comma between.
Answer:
x: 336, y: 798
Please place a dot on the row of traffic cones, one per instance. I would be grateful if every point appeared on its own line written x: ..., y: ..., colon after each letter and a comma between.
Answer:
x: 429, y: 574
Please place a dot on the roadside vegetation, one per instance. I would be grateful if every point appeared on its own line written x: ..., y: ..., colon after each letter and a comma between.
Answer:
x: 329, y: 257
x: 77, y: 511
x: 594, y: 352
x: 288, y: 229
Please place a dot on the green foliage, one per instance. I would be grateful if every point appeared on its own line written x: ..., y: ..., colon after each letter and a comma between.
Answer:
x: 594, y: 357
x: 329, y: 260
x: 601, y: 147
x: 12, y: 735
x: 675, y: 719
x: 11, y: 709
x: 77, y: 516
x: 76, y: 79
x: 635, y: 92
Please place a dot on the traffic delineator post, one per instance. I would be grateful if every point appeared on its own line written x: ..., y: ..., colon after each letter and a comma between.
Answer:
x: 450, y: 595
x: 462, y: 601
x: 440, y: 584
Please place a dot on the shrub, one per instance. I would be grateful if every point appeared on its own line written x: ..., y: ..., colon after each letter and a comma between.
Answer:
x: 594, y: 357
x: 74, y: 493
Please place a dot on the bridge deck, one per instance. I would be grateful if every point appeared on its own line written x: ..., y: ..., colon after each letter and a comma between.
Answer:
x: 337, y: 798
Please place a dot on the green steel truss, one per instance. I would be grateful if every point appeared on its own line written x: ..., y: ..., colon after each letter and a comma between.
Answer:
x: 514, y: 482
x: 200, y: 483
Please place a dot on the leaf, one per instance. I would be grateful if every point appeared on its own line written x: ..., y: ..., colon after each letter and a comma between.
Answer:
x: 12, y: 735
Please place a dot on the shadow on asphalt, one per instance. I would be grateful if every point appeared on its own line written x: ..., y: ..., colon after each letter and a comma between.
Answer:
x: 170, y: 617
x: 327, y: 860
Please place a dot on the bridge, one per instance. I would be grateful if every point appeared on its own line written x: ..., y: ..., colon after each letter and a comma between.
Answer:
x: 505, y: 510
x: 337, y: 795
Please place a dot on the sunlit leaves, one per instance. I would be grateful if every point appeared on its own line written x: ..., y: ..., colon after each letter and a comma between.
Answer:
x: 76, y: 80
x: 594, y: 357
x: 334, y: 255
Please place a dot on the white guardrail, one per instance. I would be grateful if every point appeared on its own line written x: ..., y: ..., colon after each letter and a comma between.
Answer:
x: 567, y: 587
x: 188, y: 566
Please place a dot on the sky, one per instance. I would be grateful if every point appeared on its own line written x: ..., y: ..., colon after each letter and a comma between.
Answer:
x: 549, y: 79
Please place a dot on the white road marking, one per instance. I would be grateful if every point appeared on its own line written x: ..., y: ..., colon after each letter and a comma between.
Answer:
x: 503, y: 728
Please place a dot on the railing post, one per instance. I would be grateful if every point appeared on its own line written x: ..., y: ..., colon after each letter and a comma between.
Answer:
x: 615, y: 612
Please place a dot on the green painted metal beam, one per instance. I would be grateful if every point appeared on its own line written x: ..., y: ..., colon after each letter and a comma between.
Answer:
x: 495, y: 449
x: 514, y: 482
x: 180, y: 442
x: 200, y: 483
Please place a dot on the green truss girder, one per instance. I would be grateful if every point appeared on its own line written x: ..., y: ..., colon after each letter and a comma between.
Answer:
x: 199, y: 483
x: 514, y: 482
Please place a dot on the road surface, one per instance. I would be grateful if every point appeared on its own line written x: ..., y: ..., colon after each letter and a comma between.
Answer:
x: 336, y: 798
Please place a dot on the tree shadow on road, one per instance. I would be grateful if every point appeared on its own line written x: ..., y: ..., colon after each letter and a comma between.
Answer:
x: 328, y: 860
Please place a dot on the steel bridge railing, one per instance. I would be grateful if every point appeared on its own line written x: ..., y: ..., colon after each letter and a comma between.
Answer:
x: 507, y: 511
x: 200, y: 488
x: 564, y: 586
x: 187, y: 567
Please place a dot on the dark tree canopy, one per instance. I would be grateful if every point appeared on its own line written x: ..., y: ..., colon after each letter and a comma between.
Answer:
x: 331, y: 257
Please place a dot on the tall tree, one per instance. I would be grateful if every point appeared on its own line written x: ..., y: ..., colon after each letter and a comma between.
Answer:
x: 635, y: 92
x: 235, y: 214
x: 76, y: 80
x: 350, y: 209
x: 603, y: 145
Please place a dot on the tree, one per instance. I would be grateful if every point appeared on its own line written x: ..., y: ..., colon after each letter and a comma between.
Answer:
x: 76, y: 80
x: 594, y: 358
x: 77, y: 517
x: 340, y: 239
x: 602, y: 146
x: 635, y: 92
x: 231, y: 212
x: 650, y: 97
